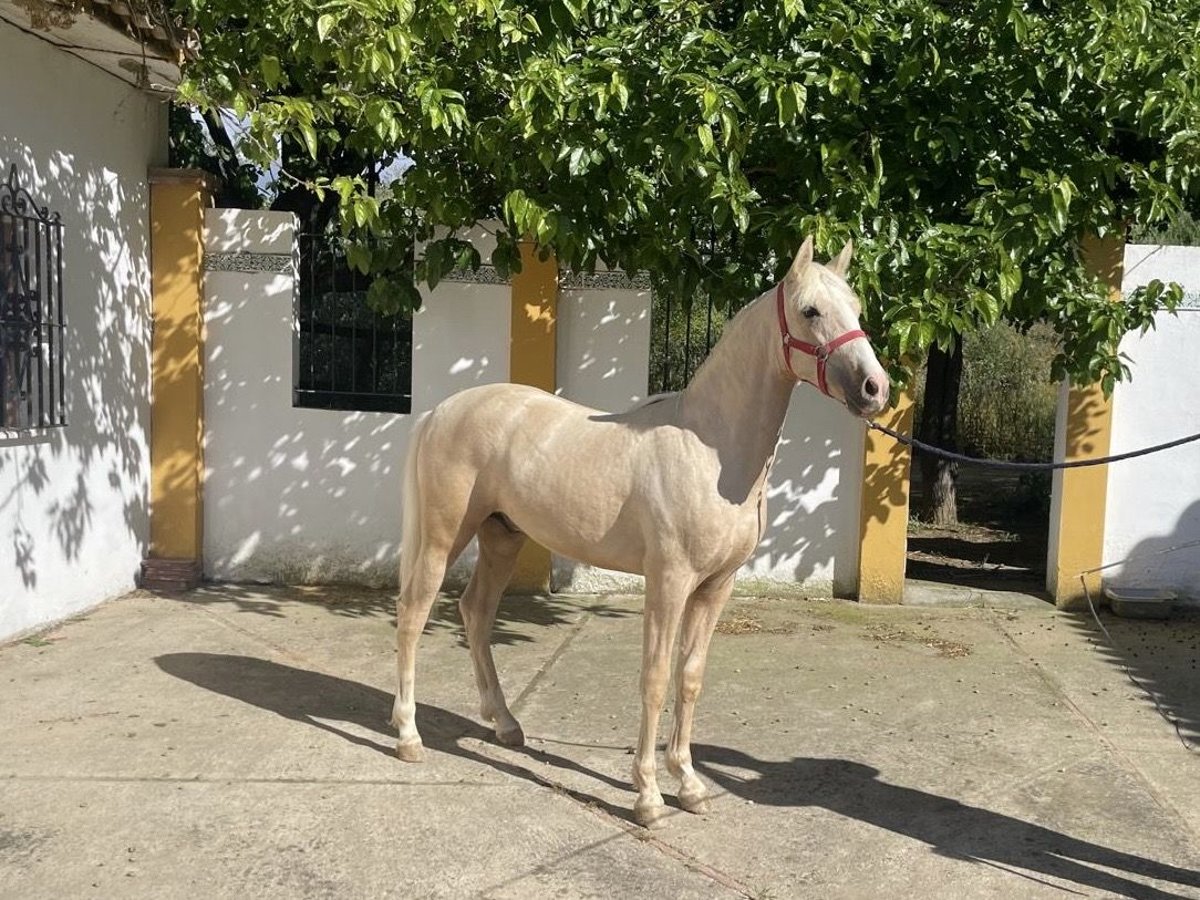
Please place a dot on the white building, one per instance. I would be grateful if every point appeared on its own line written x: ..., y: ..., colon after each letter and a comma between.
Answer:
x: 84, y: 118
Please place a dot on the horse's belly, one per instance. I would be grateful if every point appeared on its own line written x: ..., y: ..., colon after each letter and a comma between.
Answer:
x: 581, y: 533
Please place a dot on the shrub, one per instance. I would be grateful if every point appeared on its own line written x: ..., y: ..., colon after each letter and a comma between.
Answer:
x: 1183, y: 231
x: 1007, y: 406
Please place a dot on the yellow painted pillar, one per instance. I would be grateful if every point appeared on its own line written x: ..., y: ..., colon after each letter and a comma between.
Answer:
x: 1080, y: 495
x: 532, y: 356
x: 883, y: 530
x: 178, y: 198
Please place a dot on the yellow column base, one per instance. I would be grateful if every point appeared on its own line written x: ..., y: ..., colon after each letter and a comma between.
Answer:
x: 533, y: 360
x: 532, y: 575
x: 1078, y: 532
x: 178, y: 198
x: 1077, y: 528
x: 884, y: 521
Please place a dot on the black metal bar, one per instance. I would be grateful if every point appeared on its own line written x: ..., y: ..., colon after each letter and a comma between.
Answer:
x: 353, y: 328
x: 375, y: 354
x: 32, y: 325
x: 5, y: 278
x: 352, y: 401
x: 666, y: 380
x: 51, y: 327
x: 312, y: 307
x: 61, y: 319
x: 40, y: 323
x: 687, y: 346
x: 332, y: 314
x: 708, y: 329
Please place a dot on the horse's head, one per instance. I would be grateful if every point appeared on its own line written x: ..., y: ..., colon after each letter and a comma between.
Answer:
x: 822, y: 342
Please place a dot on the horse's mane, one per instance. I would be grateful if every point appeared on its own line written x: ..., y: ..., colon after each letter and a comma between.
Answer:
x: 651, y: 400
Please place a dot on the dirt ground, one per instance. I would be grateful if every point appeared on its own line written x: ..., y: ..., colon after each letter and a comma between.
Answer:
x: 1000, y: 541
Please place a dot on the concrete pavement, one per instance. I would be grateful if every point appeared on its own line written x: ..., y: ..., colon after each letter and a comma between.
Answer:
x: 234, y: 742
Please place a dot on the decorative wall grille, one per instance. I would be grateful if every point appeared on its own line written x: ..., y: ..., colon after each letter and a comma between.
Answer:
x: 347, y: 356
x: 32, y: 328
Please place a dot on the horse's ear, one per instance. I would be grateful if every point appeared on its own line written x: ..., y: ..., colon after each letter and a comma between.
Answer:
x: 804, y: 256
x: 840, y: 264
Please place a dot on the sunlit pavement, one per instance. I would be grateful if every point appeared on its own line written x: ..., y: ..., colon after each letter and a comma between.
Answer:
x: 235, y: 742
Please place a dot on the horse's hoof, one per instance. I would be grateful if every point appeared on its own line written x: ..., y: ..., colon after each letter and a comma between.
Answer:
x: 411, y: 751
x: 514, y: 737
x: 695, y: 801
x: 649, y: 815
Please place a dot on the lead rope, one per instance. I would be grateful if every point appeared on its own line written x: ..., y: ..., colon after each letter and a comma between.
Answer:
x: 1026, y: 466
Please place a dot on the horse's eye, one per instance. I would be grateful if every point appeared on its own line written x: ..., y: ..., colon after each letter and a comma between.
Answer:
x: 811, y: 312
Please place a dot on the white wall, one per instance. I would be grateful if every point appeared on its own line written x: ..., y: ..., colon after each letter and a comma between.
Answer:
x: 814, y: 502
x: 812, y: 538
x: 73, y: 502
x: 310, y: 495
x: 314, y: 495
x: 1153, y: 502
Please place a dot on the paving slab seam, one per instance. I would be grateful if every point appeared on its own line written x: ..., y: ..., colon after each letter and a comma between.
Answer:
x: 540, y: 675
x: 275, y: 648
x: 1130, y: 762
x: 637, y: 832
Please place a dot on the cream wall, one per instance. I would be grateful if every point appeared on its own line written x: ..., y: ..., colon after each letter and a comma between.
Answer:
x: 312, y: 495
x: 73, y: 501
x: 1154, y: 501
x: 300, y: 495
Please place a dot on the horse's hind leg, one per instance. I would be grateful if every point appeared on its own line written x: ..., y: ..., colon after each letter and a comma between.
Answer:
x: 498, y: 549
x: 666, y: 593
x: 699, y: 621
x: 438, y: 547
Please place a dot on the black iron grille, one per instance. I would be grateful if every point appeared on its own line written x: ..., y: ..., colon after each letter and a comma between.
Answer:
x: 348, y: 357
x: 32, y: 328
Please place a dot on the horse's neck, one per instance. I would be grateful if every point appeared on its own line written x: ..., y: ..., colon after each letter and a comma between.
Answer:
x: 738, y: 399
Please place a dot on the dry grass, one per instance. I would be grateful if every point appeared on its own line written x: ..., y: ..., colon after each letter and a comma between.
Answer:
x: 887, y: 634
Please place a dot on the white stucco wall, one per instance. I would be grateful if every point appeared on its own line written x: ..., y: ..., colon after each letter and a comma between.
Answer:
x: 74, y: 501
x: 814, y: 502
x: 310, y: 495
x: 1153, y: 502
x: 603, y: 361
x: 811, y: 542
x: 315, y: 495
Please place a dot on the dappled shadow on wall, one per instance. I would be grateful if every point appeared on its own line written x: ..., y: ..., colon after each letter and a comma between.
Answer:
x: 305, y: 495
x: 805, y: 525
x: 292, y: 495
x: 58, y: 485
x: 1163, y: 655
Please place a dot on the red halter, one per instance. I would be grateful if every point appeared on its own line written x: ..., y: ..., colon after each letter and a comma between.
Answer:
x: 821, y: 351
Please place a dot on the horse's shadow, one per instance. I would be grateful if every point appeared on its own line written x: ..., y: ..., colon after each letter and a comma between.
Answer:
x: 953, y: 829
x: 315, y: 698
x: 850, y: 789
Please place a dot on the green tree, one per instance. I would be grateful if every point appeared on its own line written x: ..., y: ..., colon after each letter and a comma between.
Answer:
x: 967, y: 147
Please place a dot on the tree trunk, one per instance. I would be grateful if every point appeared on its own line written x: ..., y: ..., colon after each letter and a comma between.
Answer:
x: 939, y: 426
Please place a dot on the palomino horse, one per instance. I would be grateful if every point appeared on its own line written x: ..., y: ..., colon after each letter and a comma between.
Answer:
x: 674, y: 489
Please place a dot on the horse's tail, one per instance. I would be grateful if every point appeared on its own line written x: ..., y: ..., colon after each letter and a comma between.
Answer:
x: 410, y: 526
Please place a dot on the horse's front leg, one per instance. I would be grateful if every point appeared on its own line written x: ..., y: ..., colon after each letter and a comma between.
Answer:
x: 666, y: 594
x: 699, y: 621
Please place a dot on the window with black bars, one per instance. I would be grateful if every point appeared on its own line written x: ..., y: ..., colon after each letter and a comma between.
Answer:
x: 347, y: 356
x: 32, y: 329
